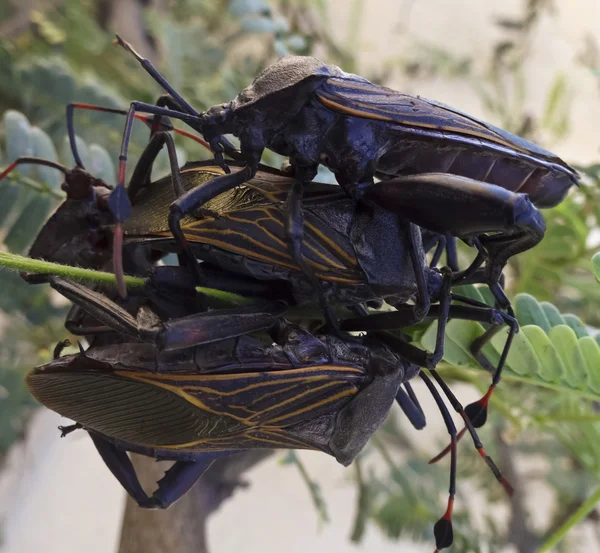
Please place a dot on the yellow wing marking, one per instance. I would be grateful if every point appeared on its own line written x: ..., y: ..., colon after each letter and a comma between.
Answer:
x: 367, y: 114
x: 181, y: 391
x: 301, y: 395
x: 229, y: 247
x: 210, y: 169
x: 211, y: 377
x: 273, y: 393
x: 325, y: 401
x: 285, y: 441
x: 330, y: 244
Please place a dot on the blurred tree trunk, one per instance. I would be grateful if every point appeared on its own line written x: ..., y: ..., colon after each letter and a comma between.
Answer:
x: 182, y: 527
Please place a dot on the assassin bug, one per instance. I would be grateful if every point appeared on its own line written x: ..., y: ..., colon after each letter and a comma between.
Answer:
x: 317, y: 114
x: 328, y: 393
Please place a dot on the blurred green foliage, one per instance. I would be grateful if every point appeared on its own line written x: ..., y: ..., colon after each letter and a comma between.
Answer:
x: 546, y: 406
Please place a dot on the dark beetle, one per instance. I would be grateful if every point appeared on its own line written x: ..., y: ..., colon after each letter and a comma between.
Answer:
x: 325, y: 393
x: 317, y: 114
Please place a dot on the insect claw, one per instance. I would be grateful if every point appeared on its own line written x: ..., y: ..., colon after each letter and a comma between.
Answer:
x: 65, y: 430
x: 118, y: 40
x: 59, y: 348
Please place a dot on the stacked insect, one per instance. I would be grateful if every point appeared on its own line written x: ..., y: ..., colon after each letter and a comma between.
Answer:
x: 170, y: 376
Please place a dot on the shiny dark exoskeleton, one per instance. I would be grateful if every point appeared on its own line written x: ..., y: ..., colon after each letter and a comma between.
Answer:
x: 165, y: 397
x: 317, y: 114
x: 358, y: 253
x: 304, y: 392
x: 289, y: 389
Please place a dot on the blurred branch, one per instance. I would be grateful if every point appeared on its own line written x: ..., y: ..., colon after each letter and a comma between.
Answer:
x: 519, y: 532
x: 182, y: 528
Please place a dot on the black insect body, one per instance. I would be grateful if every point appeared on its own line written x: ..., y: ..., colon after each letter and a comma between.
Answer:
x: 326, y: 393
x: 359, y: 254
x: 135, y: 375
x: 317, y: 114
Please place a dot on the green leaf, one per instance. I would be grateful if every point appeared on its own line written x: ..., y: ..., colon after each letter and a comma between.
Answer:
x: 591, y: 353
x: 67, y: 155
x: 101, y: 164
x: 469, y: 291
x: 27, y: 225
x: 551, y: 368
x: 44, y: 149
x: 530, y: 312
x: 258, y: 24
x: 565, y: 341
x: 459, y: 337
x: 10, y: 191
x: 18, y: 138
x: 522, y: 358
x: 241, y: 8
x: 596, y: 266
x: 552, y: 313
x: 580, y: 514
x: 575, y: 323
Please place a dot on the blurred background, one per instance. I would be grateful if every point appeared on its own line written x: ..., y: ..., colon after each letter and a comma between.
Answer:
x: 529, y: 66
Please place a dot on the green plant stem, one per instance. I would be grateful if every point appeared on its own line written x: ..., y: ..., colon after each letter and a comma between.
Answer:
x: 314, y: 488
x: 586, y: 508
x: 39, y: 266
x: 363, y: 504
x: 42, y: 188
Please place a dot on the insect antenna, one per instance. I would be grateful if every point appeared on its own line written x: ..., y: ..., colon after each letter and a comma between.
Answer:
x: 27, y: 160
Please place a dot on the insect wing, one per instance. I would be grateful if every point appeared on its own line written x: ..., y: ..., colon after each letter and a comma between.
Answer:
x: 361, y: 98
x: 198, y: 412
x: 250, y: 221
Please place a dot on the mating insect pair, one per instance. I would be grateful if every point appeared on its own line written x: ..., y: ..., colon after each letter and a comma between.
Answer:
x: 317, y: 114
x: 70, y: 390
x: 353, y: 252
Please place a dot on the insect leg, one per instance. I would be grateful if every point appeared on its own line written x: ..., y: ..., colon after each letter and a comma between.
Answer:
x: 444, y: 535
x: 478, y: 410
x: 28, y: 160
x: 294, y: 233
x: 404, y: 316
x: 120, y: 465
x: 200, y: 328
x: 180, y: 478
x: 407, y: 400
x: 410, y: 406
x: 476, y: 441
x: 155, y: 123
x: 441, y: 246
x: 152, y: 71
x: 143, y: 170
x: 464, y: 208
